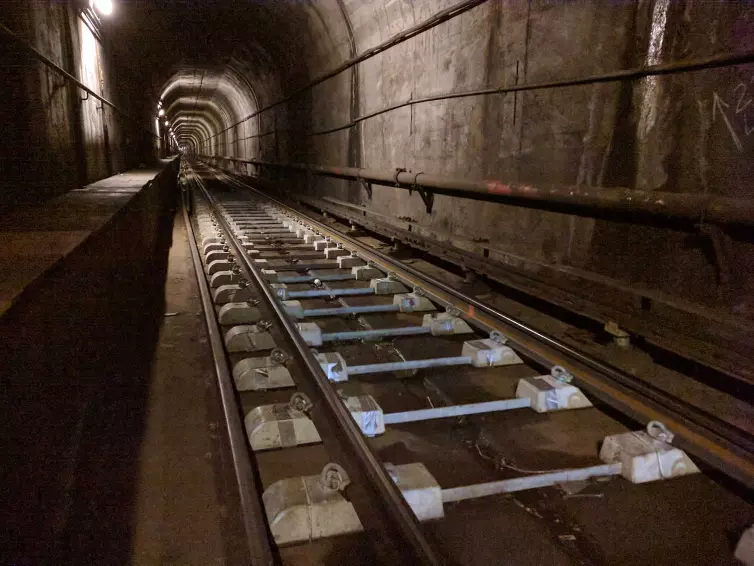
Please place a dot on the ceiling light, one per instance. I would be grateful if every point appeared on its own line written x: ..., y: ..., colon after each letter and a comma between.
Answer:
x: 167, y: 123
x: 161, y: 112
x: 104, y: 7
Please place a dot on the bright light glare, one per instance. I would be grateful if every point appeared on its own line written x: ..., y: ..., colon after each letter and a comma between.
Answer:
x: 166, y: 122
x: 161, y: 112
x: 104, y: 7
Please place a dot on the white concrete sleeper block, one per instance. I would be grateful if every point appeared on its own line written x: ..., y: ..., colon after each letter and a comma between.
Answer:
x: 212, y: 247
x: 387, y: 286
x: 232, y: 294
x: 216, y: 255
x: 224, y: 278
x: 278, y: 426
x: 349, y: 261
x: 411, y: 302
x: 320, y: 245
x: 334, y: 366
x: 335, y: 252
x: 280, y: 290
x: 270, y: 275
x: 310, y: 332
x: 367, y: 414
x: 261, y: 374
x: 219, y: 265
x: 294, y: 309
x: 248, y: 338
x: 444, y: 324
x: 301, y: 509
x: 211, y: 240
x: 238, y: 313
x: 488, y: 353
x: 644, y: 458
x: 548, y: 394
x: 366, y: 273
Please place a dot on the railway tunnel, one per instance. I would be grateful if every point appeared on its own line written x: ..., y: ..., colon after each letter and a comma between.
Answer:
x: 473, y: 276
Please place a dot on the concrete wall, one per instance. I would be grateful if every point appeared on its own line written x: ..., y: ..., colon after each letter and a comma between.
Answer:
x: 659, y: 133
x: 76, y: 350
x: 54, y: 138
x: 655, y: 134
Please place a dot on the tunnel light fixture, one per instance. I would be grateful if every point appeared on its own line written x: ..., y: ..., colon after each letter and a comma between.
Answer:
x: 167, y: 123
x: 161, y: 112
x: 104, y: 7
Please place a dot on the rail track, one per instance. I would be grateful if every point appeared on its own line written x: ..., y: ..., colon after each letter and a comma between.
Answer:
x: 372, y: 409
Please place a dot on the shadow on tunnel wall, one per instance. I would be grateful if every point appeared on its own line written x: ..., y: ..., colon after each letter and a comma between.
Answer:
x: 75, y: 355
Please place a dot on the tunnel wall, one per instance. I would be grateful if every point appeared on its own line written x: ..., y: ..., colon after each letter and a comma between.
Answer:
x: 55, y: 136
x: 659, y: 133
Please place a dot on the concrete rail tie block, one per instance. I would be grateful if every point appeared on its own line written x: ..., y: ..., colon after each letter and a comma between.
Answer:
x: 305, y: 508
x: 248, y: 338
x: 238, y: 313
x: 387, y: 286
x: 490, y: 352
x: 647, y: 455
x: 445, y: 324
x: 261, y: 374
x: 240, y: 293
x: 279, y: 426
x: 551, y: 393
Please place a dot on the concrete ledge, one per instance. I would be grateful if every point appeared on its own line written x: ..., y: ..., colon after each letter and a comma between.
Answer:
x: 77, y: 336
x: 35, y: 238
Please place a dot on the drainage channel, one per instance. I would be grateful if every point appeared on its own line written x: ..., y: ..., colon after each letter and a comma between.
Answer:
x: 323, y: 340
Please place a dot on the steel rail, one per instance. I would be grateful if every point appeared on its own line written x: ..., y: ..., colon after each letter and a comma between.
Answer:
x: 702, y: 434
x: 68, y: 76
x: 254, y: 519
x: 392, y: 517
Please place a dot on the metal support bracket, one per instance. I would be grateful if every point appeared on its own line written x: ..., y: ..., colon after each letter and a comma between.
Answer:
x: 428, y: 197
x: 367, y: 187
x: 721, y: 247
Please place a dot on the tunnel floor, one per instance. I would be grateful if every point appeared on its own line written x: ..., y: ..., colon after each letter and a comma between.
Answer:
x: 177, y: 516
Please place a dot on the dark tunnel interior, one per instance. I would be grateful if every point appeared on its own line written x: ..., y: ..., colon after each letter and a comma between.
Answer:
x: 593, y: 157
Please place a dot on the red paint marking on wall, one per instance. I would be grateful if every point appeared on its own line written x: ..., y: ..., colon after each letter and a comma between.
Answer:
x: 472, y: 311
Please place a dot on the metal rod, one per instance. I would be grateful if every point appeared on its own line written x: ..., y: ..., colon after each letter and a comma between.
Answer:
x: 254, y: 519
x: 409, y: 364
x: 695, y: 207
x: 376, y: 333
x: 455, y: 410
x: 310, y: 278
x: 337, y: 311
x: 528, y: 482
x: 312, y: 293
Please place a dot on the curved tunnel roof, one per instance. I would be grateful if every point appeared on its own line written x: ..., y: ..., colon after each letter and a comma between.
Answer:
x: 213, y: 65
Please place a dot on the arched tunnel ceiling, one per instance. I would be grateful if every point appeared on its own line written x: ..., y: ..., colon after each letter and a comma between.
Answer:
x: 223, y: 60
